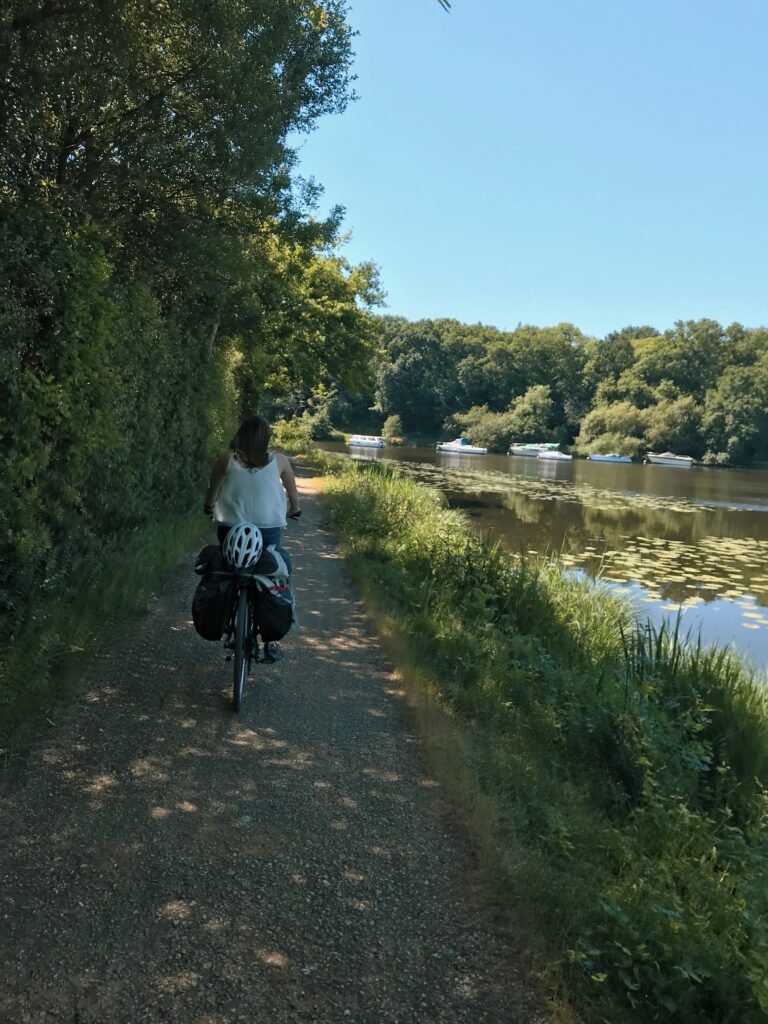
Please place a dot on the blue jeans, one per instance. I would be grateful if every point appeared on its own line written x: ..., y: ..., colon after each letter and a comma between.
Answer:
x: 270, y: 535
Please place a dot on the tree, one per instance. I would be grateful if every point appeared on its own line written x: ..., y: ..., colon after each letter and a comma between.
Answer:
x: 675, y: 426
x: 158, y: 265
x: 606, y: 360
x: 690, y: 356
x: 417, y: 378
x: 616, y: 427
x: 553, y: 356
x: 533, y: 414
x: 492, y: 375
x: 151, y: 107
x: 735, y: 417
x: 392, y: 429
x: 481, y: 426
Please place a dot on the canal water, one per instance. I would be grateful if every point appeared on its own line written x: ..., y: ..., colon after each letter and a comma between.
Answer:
x: 687, y: 543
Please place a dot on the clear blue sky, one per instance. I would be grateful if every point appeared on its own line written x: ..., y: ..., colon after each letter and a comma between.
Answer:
x: 602, y: 163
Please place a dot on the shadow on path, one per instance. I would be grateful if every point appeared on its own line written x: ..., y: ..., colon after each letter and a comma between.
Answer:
x: 165, y: 860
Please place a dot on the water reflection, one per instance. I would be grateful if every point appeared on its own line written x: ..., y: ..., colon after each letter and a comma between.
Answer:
x: 365, y: 454
x: 691, y: 542
x: 456, y: 460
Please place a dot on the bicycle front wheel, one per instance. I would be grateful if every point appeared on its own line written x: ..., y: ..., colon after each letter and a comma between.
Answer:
x: 242, y: 647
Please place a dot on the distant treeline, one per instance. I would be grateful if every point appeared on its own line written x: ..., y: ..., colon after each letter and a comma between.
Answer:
x: 698, y: 389
x: 159, y: 268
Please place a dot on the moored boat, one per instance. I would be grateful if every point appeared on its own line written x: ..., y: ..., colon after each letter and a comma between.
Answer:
x: 365, y: 441
x: 554, y: 456
x: 607, y: 457
x: 532, y: 450
x: 461, y: 446
x: 669, y: 459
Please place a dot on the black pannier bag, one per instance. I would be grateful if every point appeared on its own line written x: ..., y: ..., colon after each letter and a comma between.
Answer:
x: 275, y: 610
x: 275, y: 603
x: 214, y: 595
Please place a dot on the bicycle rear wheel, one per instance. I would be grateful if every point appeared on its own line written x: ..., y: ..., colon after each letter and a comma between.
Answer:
x: 242, y: 646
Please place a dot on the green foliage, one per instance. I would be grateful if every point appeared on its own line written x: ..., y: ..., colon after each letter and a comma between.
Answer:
x: 160, y: 273
x: 735, y: 419
x: 606, y: 360
x: 491, y: 430
x: 392, y: 429
x: 291, y: 435
x: 319, y: 427
x: 690, y: 356
x: 533, y: 414
x: 696, y: 389
x: 628, y: 771
x: 675, y: 426
x: 619, y: 427
x: 160, y: 111
x: 417, y: 380
x: 530, y: 418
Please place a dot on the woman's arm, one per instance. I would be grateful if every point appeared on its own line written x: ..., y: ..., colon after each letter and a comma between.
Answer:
x: 289, y: 483
x: 217, y: 478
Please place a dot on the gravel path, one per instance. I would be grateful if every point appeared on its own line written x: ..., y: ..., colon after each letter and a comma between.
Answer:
x: 164, y: 860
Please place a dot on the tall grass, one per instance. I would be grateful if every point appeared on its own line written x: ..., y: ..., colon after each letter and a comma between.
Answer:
x: 627, y: 771
x: 82, y: 604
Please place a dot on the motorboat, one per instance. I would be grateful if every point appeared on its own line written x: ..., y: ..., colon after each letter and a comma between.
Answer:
x: 532, y: 450
x: 366, y: 441
x: 669, y: 459
x: 608, y: 457
x: 461, y: 446
x: 554, y: 456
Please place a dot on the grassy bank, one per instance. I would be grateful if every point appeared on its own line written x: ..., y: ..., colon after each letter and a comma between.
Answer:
x: 622, y: 776
x: 80, y: 607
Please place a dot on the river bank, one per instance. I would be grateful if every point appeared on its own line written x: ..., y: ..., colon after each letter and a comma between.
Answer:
x: 680, y: 544
x: 626, y: 773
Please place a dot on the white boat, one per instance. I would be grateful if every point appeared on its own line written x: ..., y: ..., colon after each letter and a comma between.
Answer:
x: 608, y: 457
x: 532, y: 450
x: 461, y: 446
x: 366, y: 441
x: 554, y: 456
x: 669, y: 459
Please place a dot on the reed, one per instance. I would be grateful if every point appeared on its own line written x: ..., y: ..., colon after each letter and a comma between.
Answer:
x: 622, y: 768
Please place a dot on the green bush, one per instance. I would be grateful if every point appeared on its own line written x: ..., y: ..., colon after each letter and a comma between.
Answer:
x: 291, y: 435
x: 392, y: 429
x: 491, y: 430
x: 158, y: 276
x: 319, y: 427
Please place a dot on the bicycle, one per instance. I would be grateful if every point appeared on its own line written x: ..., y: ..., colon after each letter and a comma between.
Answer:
x: 240, y: 637
x: 242, y: 632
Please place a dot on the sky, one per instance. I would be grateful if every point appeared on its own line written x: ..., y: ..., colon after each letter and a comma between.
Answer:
x: 546, y: 161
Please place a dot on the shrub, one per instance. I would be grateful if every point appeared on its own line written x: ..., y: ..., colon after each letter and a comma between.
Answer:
x: 291, y: 435
x: 319, y: 427
x: 392, y: 429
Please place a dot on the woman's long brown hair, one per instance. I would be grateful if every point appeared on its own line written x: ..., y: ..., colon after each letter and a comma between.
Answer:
x: 250, y: 442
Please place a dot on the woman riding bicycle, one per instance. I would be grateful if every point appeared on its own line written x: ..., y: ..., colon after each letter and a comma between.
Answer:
x: 250, y: 484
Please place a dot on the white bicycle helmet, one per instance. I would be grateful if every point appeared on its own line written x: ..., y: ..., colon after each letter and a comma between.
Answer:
x: 243, y: 545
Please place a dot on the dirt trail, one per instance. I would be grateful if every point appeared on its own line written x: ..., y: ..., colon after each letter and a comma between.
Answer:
x: 164, y: 860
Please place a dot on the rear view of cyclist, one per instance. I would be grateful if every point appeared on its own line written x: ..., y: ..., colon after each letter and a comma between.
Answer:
x: 250, y: 484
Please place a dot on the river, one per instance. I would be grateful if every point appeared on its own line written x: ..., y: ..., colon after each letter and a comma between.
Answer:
x: 691, y: 543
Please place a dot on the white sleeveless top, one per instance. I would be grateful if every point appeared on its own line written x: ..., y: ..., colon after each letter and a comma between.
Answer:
x: 252, y: 495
